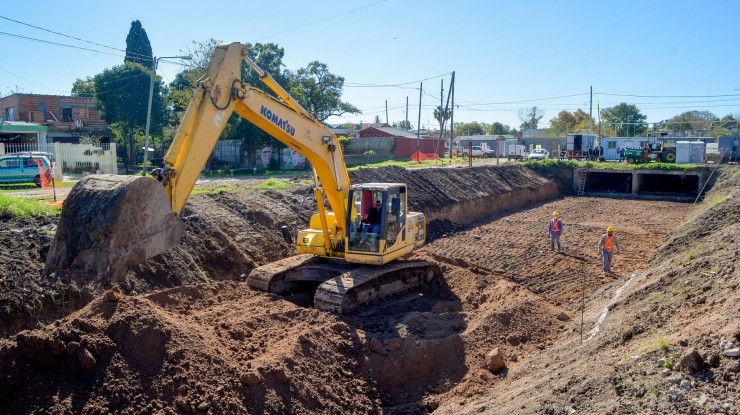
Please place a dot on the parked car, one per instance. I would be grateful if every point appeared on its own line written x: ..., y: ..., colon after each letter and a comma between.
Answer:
x: 24, y: 169
x: 52, y: 158
x: 490, y: 153
x: 539, y: 154
x: 477, y: 151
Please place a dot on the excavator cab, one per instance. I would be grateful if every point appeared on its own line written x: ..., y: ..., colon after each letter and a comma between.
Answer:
x: 377, y: 218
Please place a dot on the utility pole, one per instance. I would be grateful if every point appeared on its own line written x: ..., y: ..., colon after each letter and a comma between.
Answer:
x: 155, y: 61
x: 386, y: 111
x: 452, y: 113
x: 407, y: 113
x: 442, y: 113
x: 590, y: 109
x: 418, y: 125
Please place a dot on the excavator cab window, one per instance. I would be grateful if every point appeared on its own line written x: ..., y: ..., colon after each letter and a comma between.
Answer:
x: 396, y: 216
x: 367, y: 226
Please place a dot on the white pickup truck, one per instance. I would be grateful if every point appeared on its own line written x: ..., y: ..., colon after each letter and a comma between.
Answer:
x: 476, y: 150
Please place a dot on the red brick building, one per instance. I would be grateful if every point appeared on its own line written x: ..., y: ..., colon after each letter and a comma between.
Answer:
x: 68, y: 118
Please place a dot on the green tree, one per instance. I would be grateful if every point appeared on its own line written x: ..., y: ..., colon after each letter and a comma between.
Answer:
x: 470, y: 128
x: 500, y: 129
x: 122, y: 95
x: 690, y: 120
x: 138, y: 48
x: 403, y: 125
x: 441, y: 115
x: 84, y: 88
x: 622, y: 118
x: 569, y: 122
x: 530, y: 117
x: 319, y: 91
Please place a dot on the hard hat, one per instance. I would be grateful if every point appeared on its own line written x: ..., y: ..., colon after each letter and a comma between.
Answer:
x: 610, y: 229
x: 555, y: 214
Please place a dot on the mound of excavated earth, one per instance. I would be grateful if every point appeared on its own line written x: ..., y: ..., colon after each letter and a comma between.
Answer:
x: 503, y: 336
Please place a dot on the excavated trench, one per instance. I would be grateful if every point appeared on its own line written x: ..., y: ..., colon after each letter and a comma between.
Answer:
x: 411, y: 354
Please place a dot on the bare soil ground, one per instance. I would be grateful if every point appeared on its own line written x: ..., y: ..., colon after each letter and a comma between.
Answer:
x: 187, y: 337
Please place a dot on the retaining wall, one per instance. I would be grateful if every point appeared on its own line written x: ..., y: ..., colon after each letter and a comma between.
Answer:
x: 465, y: 195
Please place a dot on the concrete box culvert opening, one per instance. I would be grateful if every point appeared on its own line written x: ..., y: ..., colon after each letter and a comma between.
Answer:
x: 602, y: 182
x: 675, y: 185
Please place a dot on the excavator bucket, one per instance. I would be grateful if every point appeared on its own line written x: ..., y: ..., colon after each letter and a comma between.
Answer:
x: 109, y: 224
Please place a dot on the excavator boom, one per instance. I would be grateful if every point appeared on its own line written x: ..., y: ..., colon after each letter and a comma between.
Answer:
x: 110, y: 223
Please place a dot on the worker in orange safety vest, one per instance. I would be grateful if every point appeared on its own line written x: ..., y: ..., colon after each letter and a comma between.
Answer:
x: 555, y: 229
x: 608, y: 246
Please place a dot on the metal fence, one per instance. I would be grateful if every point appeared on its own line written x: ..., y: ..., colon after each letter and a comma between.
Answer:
x: 72, y: 159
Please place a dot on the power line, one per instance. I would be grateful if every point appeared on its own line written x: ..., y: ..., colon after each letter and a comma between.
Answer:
x: 29, y: 81
x: 666, y: 96
x: 362, y: 85
x: 56, y: 43
x: 75, y: 38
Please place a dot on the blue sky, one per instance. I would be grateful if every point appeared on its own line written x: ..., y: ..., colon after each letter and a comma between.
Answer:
x: 666, y: 57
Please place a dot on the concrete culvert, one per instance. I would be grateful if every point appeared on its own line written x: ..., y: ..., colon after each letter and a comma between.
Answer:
x: 677, y: 185
x: 602, y: 182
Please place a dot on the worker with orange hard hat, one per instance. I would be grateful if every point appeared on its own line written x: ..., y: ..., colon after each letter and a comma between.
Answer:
x: 608, y: 246
x: 555, y: 229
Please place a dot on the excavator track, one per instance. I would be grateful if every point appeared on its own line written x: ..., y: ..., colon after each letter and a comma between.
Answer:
x: 345, y: 288
x: 368, y: 285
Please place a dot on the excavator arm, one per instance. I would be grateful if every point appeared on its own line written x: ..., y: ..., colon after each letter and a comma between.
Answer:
x: 111, y: 223
x: 220, y: 93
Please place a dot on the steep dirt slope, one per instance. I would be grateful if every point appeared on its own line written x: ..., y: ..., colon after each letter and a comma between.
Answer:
x: 658, y: 341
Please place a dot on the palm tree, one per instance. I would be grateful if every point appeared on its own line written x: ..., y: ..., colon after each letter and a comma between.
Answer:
x: 442, y: 115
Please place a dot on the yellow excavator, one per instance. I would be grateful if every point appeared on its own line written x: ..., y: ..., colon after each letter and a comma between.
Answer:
x: 110, y: 223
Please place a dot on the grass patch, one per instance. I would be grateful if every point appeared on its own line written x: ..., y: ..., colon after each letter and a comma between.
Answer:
x: 11, y: 206
x: 24, y: 187
x: 608, y: 165
x: 216, y: 190
x: 658, y: 342
x: 411, y: 163
x: 274, y: 184
x: 717, y: 200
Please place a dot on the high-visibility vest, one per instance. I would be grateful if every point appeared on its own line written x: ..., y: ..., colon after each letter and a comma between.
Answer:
x: 555, y: 225
x: 608, y: 244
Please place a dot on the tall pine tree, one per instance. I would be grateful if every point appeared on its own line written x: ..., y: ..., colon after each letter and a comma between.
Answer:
x: 138, y: 48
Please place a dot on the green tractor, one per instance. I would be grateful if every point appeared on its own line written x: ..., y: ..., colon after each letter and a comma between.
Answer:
x: 665, y: 152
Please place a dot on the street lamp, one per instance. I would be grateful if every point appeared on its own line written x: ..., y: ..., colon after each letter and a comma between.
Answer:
x: 155, y: 61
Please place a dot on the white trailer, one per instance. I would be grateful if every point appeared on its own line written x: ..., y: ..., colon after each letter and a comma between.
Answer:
x: 612, y: 145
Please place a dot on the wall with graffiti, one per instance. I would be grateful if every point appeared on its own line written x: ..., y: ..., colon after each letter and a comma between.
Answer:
x: 287, y: 159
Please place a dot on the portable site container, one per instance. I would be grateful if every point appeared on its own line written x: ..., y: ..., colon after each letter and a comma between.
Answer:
x: 697, y: 152
x: 613, y: 144
x: 690, y: 152
x: 683, y: 152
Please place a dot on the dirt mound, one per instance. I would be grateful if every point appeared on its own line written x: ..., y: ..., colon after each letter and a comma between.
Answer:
x: 220, y: 348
